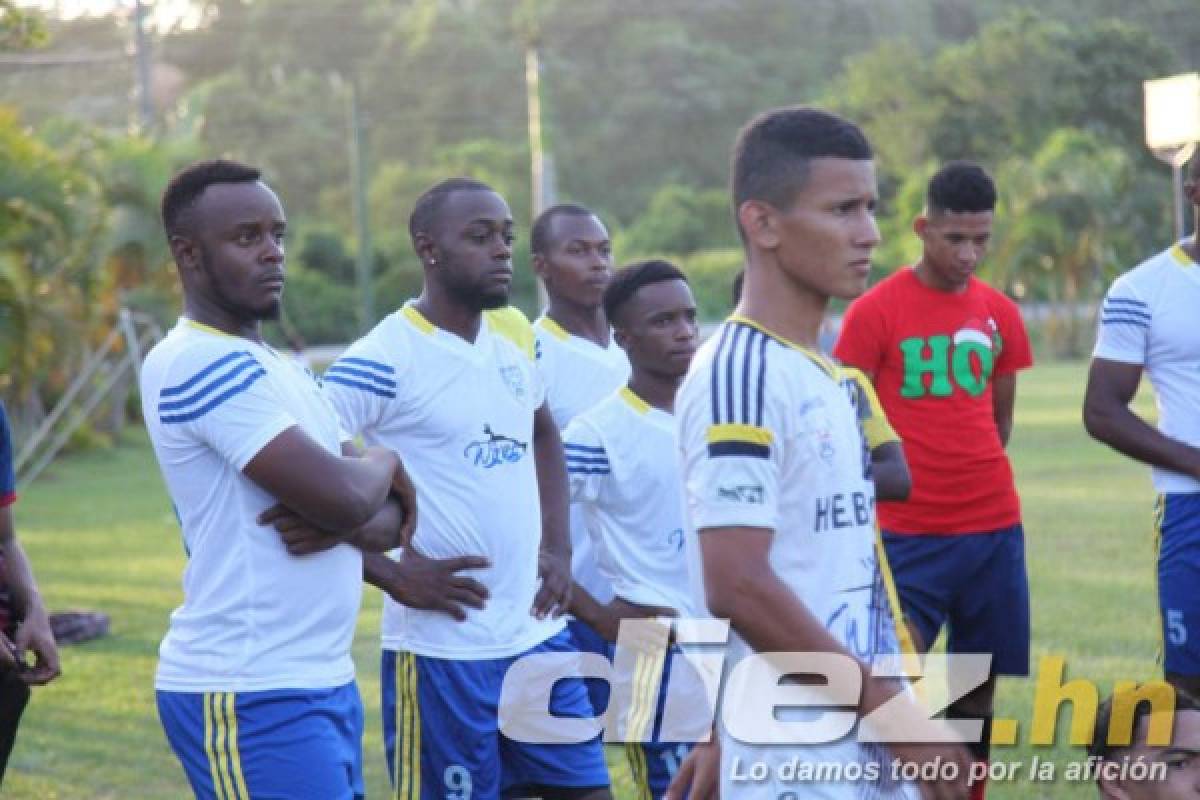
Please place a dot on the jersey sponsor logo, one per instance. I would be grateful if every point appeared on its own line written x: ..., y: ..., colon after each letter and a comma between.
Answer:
x: 865, y: 625
x: 514, y: 379
x: 965, y: 359
x: 842, y: 510
x: 751, y: 494
x: 495, y: 450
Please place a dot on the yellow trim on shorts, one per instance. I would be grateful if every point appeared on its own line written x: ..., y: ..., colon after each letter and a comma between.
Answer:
x: 221, y: 748
x: 910, y: 658
x: 408, y: 730
x: 1160, y: 514
x: 635, y: 754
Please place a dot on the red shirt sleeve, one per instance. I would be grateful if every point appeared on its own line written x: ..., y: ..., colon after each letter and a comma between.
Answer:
x: 1016, y: 353
x: 860, y: 342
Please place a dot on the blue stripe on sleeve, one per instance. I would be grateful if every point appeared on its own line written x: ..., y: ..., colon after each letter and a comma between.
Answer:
x: 224, y: 379
x: 169, y: 419
x: 340, y: 368
x: 365, y: 362
x: 202, y: 374
x: 363, y: 387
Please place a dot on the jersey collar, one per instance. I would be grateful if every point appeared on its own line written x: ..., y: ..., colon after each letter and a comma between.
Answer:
x: 819, y: 360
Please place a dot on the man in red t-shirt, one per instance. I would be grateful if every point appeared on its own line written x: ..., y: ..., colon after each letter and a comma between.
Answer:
x: 942, y: 349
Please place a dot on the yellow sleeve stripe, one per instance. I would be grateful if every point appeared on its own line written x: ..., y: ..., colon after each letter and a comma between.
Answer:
x: 874, y: 421
x: 736, y: 432
x: 878, y: 432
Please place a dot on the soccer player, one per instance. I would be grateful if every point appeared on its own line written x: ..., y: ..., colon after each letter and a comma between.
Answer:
x: 1147, y: 324
x: 579, y: 361
x: 450, y: 379
x: 255, y: 682
x: 777, y: 487
x: 624, y: 474
x: 24, y: 625
x: 943, y: 350
x: 580, y: 364
x: 1140, y: 770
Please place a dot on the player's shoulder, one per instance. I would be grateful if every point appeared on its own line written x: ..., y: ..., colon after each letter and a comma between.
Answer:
x: 511, y: 325
x: 186, y: 357
x: 372, y: 363
x: 191, y: 372
x: 1142, y: 281
x: 602, y: 419
x: 742, y: 368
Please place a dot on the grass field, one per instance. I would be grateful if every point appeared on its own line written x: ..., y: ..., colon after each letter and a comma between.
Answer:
x: 101, y: 535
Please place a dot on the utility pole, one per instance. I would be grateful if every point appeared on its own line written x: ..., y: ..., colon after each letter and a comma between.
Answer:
x: 358, y: 176
x: 142, y: 51
x: 541, y: 159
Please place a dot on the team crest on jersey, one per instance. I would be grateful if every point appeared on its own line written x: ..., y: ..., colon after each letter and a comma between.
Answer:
x: 514, y: 379
x: 825, y: 446
x: 494, y: 450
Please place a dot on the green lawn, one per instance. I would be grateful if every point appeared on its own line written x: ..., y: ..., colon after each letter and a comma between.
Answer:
x: 102, y: 536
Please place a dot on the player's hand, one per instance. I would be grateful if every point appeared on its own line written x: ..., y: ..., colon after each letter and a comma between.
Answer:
x: 34, y: 634
x: 433, y: 584
x: 697, y: 777
x: 406, y: 494
x: 299, y: 536
x: 555, y: 593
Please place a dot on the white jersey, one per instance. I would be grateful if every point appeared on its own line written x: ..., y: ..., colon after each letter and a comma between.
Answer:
x: 622, y: 459
x: 1149, y: 318
x: 769, y: 438
x: 578, y: 373
x: 460, y: 414
x: 253, y: 616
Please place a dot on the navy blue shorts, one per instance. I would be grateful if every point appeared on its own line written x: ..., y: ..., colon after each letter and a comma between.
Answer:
x: 1177, y: 518
x: 298, y: 744
x: 975, y: 583
x: 440, y: 723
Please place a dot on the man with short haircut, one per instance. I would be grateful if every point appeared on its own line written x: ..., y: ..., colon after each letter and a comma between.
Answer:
x: 624, y: 472
x: 580, y: 364
x: 450, y: 379
x: 1148, y: 324
x: 255, y: 683
x: 1144, y: 771
x: 943, y: 350
x: 777, y: 484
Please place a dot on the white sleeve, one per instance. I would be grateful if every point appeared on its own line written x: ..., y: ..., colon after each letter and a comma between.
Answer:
x: 588, y: 468
x: 222, y: 401
x: 1123, y: 329
x: 359, y: 385
x: 731, y: 456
